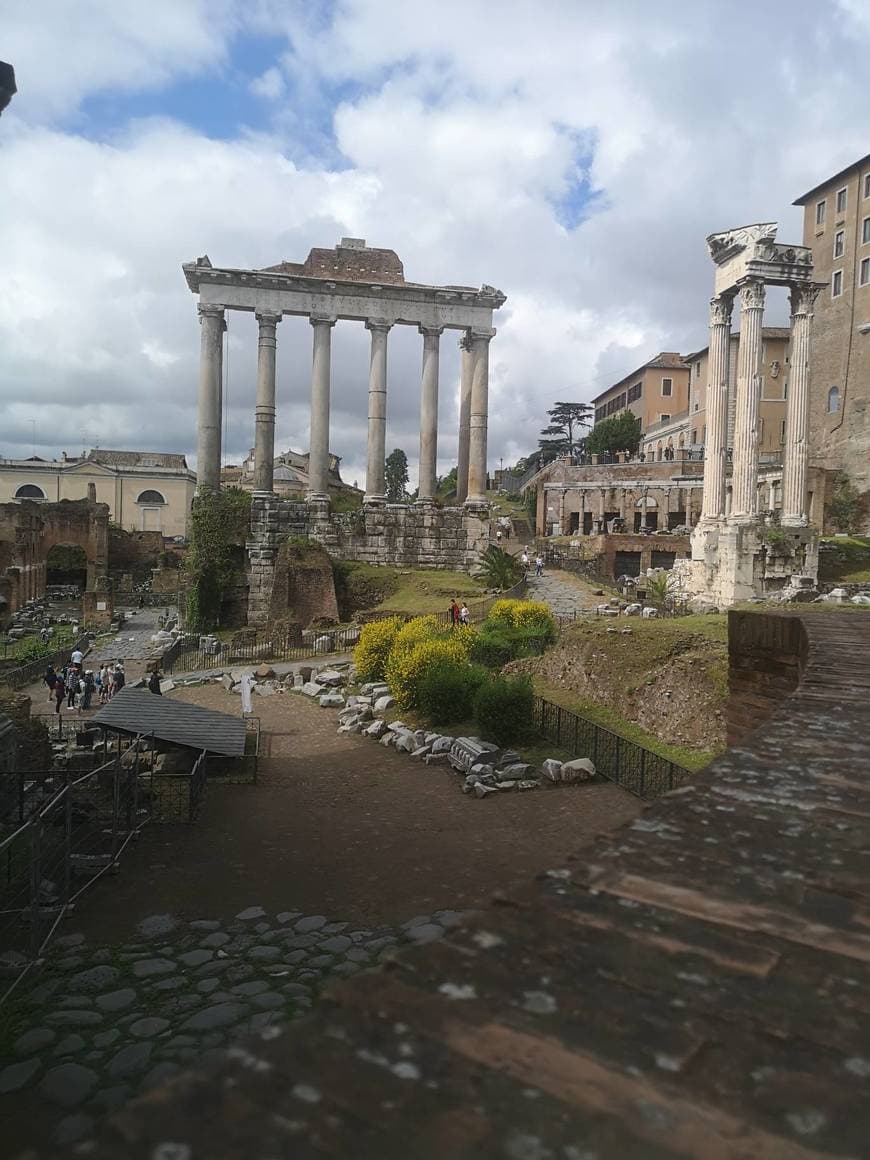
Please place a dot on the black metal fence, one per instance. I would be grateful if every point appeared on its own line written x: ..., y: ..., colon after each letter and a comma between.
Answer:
x: 59, y: 834
x: 646, y: 774
x: 29, y: 673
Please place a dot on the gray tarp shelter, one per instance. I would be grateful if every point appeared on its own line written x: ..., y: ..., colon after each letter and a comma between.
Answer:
x: 136, y: 711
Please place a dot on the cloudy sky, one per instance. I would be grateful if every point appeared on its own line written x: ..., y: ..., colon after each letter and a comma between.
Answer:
x: 571, y: 152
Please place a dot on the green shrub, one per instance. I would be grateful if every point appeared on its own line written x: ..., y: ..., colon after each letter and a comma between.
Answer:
x: 375, y: 641
x: 503, y: 709
x: 406, y: 667
x: 446, y: 692
x: 523, y: 614
x: 494, y: 647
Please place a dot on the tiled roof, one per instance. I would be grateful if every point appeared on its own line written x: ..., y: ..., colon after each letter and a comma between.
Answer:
x: 137, y: 459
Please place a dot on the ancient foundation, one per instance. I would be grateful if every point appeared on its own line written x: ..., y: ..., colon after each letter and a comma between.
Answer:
x: 413, y: 535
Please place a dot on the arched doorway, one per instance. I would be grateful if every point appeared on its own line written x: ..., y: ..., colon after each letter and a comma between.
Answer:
x: 67, y: 564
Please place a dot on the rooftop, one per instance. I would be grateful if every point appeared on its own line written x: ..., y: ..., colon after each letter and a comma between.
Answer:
x: 665, y: 360
x: 137, y: 711
x: 830, y: 180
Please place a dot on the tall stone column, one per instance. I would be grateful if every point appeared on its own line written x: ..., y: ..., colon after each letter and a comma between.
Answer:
x: 797, y: 418
x: 210, y: 397
x: 429, y: 412
x: 479, y: 420
x: 562, y: 531
x: 318, y: 442
x: 581, y: 521
x: 264, y: 415
x: 716, y: 442
x: 465, y: 376
x: 376, y: 490
x: 744, y: 501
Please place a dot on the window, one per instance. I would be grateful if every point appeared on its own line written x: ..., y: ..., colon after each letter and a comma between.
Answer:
x: 867, y: 184
x: 864, y: 275
x: 837, y: 284
x: 694, y: 436
x: 782, y: 431
x: 29, y: 491
x: 820, y: 213
x: 697, y: 405
x: 841, y: 201
x: 760, y: 431
x: 865, y: 231
x: 785, y: 389
x: 839, y: 243
x: 664, y: 418
x: 150, y: 496
x: 833, y: 400
x: 634, y: 392
x: 667, y: 387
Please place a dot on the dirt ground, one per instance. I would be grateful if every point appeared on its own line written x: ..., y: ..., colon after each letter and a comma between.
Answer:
x: 341, y: 826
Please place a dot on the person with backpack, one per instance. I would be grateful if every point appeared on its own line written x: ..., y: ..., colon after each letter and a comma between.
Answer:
x: 154, y: 683
x: 119, y: 679
x: 72, y: 687
x: 51, y: 679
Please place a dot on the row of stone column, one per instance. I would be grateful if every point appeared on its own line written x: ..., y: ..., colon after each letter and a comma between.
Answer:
x: 744, y: 498
x: 473, y: 407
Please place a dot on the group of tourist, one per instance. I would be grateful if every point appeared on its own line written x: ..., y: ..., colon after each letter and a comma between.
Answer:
x: 77, y: 686
x: 459, y: 614
x: 526, y: 561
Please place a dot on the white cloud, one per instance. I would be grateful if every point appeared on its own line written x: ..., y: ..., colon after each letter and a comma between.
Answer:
x: 467, y: 143
x: 270, y: 85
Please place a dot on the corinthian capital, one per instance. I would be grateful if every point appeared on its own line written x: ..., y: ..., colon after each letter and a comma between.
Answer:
x: 752, y: 294
x: 802, y: 296
x: 720, y: 309
x: 209, y: 310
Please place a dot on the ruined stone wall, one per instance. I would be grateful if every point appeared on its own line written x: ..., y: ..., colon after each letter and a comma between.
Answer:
x: 303, y: 587
x: 28, y: 532
x: 410, y: 535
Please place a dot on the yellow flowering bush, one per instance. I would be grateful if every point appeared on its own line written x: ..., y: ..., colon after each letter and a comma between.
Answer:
x: 414, y: 632
x: 525, y: 615
x: 407, y: 666
x: 375, y: 641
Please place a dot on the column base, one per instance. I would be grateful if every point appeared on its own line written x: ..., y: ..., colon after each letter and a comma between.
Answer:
x: 425, y: 501
x: 264, y: 494
x: 741, y: 519
x: 476, y: 501
x: 375, y: 500
x: 316, y: 497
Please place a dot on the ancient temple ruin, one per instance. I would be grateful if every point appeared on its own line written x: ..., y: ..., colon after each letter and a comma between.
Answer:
x: 356, y: 283
x: 734, y: 554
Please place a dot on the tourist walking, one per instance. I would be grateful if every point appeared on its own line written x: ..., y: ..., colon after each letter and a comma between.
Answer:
x: 88, y: 686
x: 454, y: 613
x: 72, y: 687
x: 103, y: 683
x: 154, y: 683
x: 51, y: 678
x: 119, y: 679
x: 59, y: 694
x: 539, y: 566
x: 77, y: 657
x: 524, y: 559
x: 464, y: 614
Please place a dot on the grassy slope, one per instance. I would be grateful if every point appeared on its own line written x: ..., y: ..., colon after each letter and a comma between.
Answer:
x: 415, y: 590
x: 848, y: 562
x: 627, y: 669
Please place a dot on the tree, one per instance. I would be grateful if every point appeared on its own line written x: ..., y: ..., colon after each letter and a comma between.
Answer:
x: 396, y: 475
x: 446, y: 484
x: 617, y: 433
x: 563, y: 434
x: 499, y: 568
x: 845, y: 504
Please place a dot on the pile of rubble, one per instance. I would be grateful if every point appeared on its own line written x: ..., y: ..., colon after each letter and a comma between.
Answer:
x: 485, y: 768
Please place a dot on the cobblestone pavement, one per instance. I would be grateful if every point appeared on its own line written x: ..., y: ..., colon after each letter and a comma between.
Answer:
x: 565, y: 595
x: 133, y: 643
x: 102, y: 1024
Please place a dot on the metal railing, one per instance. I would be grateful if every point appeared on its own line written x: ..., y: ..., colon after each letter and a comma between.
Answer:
x: 59, y: 829
x: 642, y: 772
x: 27, y: 674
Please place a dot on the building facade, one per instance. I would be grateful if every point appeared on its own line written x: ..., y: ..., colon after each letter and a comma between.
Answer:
x: 290, y: 475
x: 145, y: 491
x: 837, y: 232
x: 655, y: 392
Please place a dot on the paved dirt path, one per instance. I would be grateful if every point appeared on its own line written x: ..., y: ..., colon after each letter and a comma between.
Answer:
x: 341, y: 826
